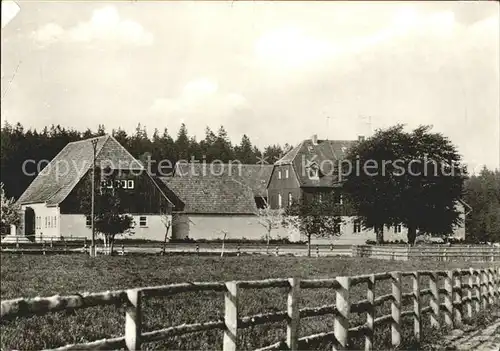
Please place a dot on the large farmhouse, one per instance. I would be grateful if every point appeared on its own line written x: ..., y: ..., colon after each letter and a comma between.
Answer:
x: 51, y: 205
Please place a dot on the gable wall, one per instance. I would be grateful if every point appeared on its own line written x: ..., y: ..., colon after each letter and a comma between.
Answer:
x: 144, y: 198
x: 282, y: 186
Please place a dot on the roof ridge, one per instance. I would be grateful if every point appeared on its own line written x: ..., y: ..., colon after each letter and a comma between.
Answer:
x: 88, y: 139
x: 296, y: 148
x: 124, y: 148
x: 97, y: 152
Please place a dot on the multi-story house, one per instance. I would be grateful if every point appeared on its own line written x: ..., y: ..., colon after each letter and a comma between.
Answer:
x: 309, y: 171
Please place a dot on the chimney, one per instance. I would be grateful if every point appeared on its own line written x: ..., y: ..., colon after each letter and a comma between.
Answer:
x: 361, y: 138
x: 314, y: 139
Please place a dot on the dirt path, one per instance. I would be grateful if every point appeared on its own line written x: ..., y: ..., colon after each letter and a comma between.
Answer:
x: 475, y: 338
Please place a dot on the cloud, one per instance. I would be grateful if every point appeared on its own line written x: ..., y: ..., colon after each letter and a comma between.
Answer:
x: 293, y: 47
x: 200, y: 103
x: 104, y: 25
x: 200, y: 97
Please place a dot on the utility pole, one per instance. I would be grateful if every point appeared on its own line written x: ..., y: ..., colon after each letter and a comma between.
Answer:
x: 92, y: 245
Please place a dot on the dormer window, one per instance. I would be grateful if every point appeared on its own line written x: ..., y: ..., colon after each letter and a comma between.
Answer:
x: 286, y: 173
x: 279, y: 174
x: 313, y: 171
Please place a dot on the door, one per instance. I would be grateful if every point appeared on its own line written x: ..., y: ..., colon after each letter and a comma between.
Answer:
x: 29, y: 221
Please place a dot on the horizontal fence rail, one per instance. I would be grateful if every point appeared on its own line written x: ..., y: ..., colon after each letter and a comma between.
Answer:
x: 464, y: 292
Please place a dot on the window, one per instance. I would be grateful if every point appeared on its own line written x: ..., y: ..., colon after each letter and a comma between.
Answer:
x: 88, y: 221
x: 279, y: 174
x: 280, y: 204
x: 397, y: 228
x: 130, y: 184
x: 286, y: 173
x: 46, y: 221
x: 313, y: 171
x: 124, y: 184
x: 357, y: 227
x: 55, y: 221
x: 336, y: 228
x: 142, y: 221
x: 290, y: 199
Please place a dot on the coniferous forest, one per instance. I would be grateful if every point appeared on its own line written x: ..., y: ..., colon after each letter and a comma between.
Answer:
x: 19, y: 144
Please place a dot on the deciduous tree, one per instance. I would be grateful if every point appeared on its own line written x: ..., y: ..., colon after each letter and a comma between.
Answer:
x: 410, y: 178
x: 316, y: 217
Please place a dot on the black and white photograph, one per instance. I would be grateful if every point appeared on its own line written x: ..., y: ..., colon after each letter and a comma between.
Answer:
x: 250, y: 175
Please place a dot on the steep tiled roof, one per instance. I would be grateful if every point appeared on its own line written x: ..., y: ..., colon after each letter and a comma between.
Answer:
x: 63, y: 173
x: 254, y: 176
x: 212, y: 195
x: 325, y: 153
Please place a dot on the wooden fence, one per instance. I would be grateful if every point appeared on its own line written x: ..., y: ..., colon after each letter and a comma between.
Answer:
x: 465, y: 293
x: 390, y: 252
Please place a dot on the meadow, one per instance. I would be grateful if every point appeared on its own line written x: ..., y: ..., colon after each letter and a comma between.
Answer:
x: 36, y: 275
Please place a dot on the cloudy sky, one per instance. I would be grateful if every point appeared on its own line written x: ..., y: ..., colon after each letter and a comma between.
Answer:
x: 277, y: 71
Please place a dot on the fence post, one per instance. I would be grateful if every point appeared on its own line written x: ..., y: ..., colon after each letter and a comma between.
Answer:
x: 484, y: 288
x: 292, y: 326
x: 51, y: 242
x: 133, y: 320
x: 17, y: 242
x: 396, y: 308
x: 231, y: 316
x: 497, y: 288
x: 317, y: 251
x: 448, y: 299
x: 341, y: 324
x: 123, y: 249
x: 277, y: 250
x: 470, y: 290
x: 238, y: 250
x: 497, y: 283
x: 417, y: 322
x: 197, y: 249
x: 370, y: 313
x: 491, y: 285
x: 457, y: 299
x: 477, y: 289
x: 434, y: 300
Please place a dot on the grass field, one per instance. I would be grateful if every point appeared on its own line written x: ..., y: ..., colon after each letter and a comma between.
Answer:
x: 29, y: 276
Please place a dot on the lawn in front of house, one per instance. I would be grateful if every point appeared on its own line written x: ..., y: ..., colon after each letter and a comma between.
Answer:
x: 33, y: 275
